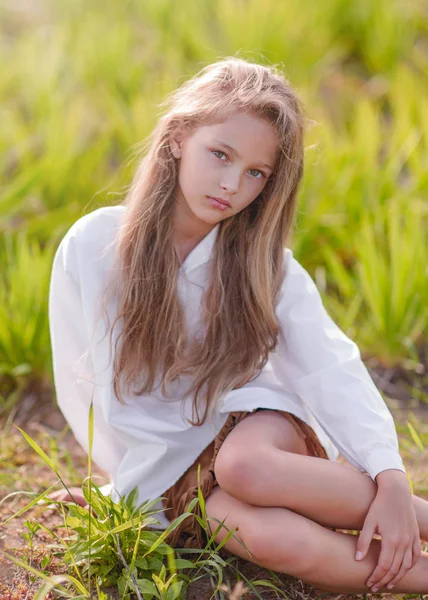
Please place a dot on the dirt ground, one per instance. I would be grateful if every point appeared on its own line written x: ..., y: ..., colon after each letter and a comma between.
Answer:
x: 21, y: 469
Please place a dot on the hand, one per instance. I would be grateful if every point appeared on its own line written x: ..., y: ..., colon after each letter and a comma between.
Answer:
x: 391, y: 515
x: 64, y: 496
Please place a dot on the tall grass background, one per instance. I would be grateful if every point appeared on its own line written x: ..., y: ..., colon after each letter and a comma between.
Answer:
x: 79, y: 88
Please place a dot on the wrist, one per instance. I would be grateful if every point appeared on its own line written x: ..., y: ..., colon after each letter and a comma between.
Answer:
x: 392, y: 478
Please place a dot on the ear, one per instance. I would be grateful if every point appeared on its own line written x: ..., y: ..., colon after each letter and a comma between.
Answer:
x: 176, y: 140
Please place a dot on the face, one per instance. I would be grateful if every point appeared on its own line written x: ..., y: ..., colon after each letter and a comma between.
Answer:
x: 231, y: 160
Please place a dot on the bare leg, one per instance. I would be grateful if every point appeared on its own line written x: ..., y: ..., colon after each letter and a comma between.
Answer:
x: 340, y: 570
x: 330, y: 493
x: 283, y: 541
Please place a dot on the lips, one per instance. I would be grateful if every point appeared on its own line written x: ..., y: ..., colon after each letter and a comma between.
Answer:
x: 226, y: 202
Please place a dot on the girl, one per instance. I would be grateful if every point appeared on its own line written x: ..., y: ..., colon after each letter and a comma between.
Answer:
x: 221, y: 354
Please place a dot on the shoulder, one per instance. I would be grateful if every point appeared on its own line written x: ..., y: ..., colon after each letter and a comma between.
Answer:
x: 297, y: 283
x: 91, y: 238
x: 293, y: 269
x: 97, y: 224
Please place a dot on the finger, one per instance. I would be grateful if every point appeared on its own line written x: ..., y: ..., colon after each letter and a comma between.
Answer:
x: 391, y: 572
x: 405, y: 568
x: 364, y: 539
x: 72, y: 490
x: 73, y: 494
x: 384, y: 563
x: 53, y: 506
x: 417, y: 551
x: 65, y: 497
x: 55, y: 495
x: 61, y: 496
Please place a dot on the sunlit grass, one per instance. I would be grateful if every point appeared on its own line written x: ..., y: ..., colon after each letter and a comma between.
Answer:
x: 112, y: 544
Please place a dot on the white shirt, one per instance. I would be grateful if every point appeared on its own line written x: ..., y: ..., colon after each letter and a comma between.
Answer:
x: 315, y: 372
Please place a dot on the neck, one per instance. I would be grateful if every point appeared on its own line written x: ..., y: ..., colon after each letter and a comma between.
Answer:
x: 188, y: 230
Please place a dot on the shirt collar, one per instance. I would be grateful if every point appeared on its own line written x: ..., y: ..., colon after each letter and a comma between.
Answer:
x: 202, y: 252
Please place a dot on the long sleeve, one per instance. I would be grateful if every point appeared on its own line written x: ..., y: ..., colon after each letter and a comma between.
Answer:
x: 72, y: 364
x: 323, y: 366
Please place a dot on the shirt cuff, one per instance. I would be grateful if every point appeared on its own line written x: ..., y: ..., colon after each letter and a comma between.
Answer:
x: 381, y: 459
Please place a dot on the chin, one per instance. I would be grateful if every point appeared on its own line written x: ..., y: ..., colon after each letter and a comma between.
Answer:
x: 211, y: 221
x: 208, y: 217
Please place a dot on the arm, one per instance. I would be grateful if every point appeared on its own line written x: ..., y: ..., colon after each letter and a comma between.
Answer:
x: 72, y: 364
x: 325, y: 369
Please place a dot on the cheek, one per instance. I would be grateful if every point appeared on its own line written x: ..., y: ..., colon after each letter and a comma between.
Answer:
x: 250, y: 195
x: 196, y: 174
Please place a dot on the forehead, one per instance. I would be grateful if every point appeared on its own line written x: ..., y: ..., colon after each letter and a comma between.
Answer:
x: 253, y: 138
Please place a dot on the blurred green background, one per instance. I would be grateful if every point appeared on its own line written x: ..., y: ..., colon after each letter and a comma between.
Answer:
x: 79, y: 87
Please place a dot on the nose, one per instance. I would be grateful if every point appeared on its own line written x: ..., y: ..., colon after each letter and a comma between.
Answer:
x: 231, y: 183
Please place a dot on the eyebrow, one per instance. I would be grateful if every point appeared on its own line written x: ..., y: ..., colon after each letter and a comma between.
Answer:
x: 236, y: 152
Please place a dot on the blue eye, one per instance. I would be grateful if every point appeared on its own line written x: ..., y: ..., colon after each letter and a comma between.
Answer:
x: 256, y: 170
x: 219, y: 151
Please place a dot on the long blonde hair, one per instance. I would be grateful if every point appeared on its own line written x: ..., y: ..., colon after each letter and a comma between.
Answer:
x: 247, y: 265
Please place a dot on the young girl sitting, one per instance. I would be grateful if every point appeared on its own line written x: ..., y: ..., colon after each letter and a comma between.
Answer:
x: 215, y: 350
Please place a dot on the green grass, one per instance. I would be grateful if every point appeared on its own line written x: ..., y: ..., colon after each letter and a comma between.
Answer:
x: 111, y: 544
x: 75, y: 110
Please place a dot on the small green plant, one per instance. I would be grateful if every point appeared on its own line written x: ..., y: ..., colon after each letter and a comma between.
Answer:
x: 112, y: 544
x: 32, y: 528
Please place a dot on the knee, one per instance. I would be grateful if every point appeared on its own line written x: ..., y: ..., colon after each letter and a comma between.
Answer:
x: 239, y: 471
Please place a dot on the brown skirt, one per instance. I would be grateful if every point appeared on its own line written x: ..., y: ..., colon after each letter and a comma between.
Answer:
x: 190, y: 534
